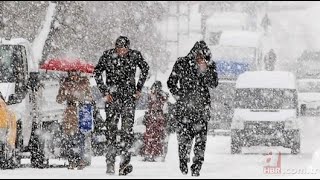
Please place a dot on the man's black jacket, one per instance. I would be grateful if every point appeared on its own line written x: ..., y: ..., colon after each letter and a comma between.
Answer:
x: 193, y: 86
x: 120, y: 73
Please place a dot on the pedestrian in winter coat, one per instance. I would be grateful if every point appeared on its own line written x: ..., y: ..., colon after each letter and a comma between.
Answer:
x: 74, y: 90
x: 270, y: 60
x: 195, y: 73
x: 155, y: 123
x: 120, y: 93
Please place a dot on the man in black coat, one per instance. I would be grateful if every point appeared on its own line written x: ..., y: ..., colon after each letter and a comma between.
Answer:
x: 120, y: 93
x: 195, y: 73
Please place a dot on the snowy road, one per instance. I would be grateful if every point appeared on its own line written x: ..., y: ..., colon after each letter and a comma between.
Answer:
x: 219, y: 163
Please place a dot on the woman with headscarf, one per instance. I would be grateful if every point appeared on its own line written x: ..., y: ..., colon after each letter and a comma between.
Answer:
x: 74, y: 90
x: 155, y: 123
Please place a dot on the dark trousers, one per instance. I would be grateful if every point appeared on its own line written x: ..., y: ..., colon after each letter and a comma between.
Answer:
x: 114, y: 111
x: 75, y: 147
x: 192, y: 125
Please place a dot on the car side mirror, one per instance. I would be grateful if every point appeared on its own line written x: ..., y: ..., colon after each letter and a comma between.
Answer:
x: 34, y: 81
x: 303, y: 109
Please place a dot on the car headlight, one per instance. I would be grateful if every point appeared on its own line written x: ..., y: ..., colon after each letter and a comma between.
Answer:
x: 237, y: 123
x: 290, y: 123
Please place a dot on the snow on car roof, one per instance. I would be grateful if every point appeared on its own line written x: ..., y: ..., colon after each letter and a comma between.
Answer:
x: 267, y: 79
x: 15, y: 41
x: 240, y: 38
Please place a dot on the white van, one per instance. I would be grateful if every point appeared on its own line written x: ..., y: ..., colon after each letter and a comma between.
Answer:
x: 266, y: 111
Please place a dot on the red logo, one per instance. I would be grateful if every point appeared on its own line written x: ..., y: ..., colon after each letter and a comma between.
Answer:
x: 273, y: 163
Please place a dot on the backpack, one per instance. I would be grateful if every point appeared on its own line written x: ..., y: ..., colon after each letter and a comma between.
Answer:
x: 85, y: 117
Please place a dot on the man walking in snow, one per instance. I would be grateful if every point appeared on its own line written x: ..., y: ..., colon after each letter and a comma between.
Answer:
x: 195, y: 73
x: 120, y: 93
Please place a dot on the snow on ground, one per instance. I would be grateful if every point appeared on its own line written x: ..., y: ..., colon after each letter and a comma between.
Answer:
x: 290, y: 36
x: 219, y: 163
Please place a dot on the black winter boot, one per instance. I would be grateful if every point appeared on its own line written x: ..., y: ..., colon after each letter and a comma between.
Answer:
x: 125, y: 169
x: 195, y: 170
x: 110, y: 168
x: 184, y: 167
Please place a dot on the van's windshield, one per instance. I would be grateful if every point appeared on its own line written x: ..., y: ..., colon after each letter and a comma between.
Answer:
x: 266, y: 98
x: 12, y: 59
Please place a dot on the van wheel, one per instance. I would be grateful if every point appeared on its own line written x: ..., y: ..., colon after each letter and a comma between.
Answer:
x: 18, y: 161
x: 2, y: 156
x: 303, y: 109
x: 295, y: 149
x: 36, y: 150
x: 19, y: 144
x: 7, y: 163
x: 235, y: 142
x: 11, y: 163
x: 37, y: 157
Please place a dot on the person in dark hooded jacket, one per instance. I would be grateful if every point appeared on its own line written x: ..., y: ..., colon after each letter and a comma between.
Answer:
x: 120, y: 92
x: 195, y: 73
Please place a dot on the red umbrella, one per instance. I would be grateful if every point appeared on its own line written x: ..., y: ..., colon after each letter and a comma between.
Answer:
x: 68, y: 65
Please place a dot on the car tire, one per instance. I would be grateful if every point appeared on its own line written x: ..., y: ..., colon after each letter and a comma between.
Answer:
x: 295, y: 149
x: 6, y: 163
x: 36, y: 150
x: 37, y: 158
x: 303, y: 109
x: 19, y: 144
x: 235, y: 142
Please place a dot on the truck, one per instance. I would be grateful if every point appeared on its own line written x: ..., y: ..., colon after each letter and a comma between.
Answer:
x: 235, y: 53
x: 19, y: 85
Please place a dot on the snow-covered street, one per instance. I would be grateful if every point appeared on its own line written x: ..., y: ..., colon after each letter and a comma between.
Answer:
x: 93, y: 38
x: 219, y: 162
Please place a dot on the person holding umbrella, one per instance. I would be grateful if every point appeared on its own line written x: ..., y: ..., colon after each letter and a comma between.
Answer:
x: 74, y: 91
